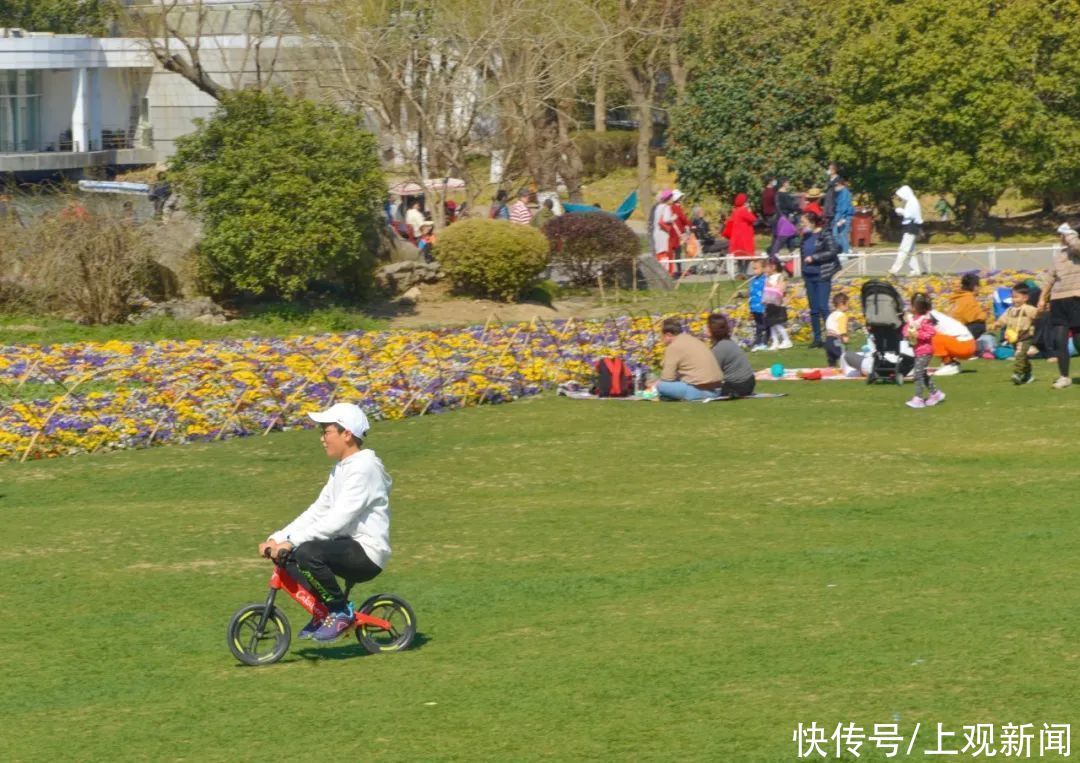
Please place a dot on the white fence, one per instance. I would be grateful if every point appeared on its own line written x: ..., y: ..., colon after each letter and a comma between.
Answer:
x: 877, y: 262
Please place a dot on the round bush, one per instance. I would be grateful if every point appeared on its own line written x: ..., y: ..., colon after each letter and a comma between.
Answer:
x: 492, y: 258
x: 584, y: 246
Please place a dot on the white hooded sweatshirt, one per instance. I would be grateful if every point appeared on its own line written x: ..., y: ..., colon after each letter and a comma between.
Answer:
x: 354, y: 503
x: 911, y: 212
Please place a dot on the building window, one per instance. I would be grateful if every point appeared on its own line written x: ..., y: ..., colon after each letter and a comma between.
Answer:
x: 20, y: 111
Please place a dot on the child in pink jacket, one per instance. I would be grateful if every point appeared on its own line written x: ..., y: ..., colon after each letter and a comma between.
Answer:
x: 920, y: 334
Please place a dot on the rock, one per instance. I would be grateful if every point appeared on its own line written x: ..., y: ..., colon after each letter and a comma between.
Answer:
x: 210, y: 319
x: 655, y: 274
x: 201, y: 309
x: 410, y: 297
x: 400, y: 277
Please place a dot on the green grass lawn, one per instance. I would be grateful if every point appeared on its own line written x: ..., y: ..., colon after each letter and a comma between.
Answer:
x: 593, y: 580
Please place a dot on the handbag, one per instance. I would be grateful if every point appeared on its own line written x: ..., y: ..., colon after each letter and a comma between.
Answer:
x: 784, y: 228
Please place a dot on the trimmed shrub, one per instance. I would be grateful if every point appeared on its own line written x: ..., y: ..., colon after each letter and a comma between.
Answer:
x: 289, y: 193
x: 585, y: 246
x: 492, y: 258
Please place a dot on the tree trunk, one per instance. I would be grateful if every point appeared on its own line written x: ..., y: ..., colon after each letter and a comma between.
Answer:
x: 572, y: 168
x: 644, y: 159
x: 600, y: 104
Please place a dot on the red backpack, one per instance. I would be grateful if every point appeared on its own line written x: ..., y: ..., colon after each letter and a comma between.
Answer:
x: 613, y: 378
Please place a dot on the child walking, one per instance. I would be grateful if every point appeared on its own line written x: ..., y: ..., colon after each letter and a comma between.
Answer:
x: 836, y: 335
x: 920, y: 334
x: 756, y: 291
x: 775, y: 311
x: 1019, y: 323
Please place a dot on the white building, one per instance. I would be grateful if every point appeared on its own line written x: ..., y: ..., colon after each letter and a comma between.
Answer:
x: 71, y: 102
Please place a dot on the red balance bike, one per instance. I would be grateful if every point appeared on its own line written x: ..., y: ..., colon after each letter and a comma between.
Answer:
x: 259, y: 634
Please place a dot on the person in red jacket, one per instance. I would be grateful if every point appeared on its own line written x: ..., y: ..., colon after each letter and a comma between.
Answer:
x: 813, y: 202
x: 739, y: 231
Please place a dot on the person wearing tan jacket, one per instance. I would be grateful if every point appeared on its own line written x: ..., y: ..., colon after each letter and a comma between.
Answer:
x: 1019, y: 324
x: 965, y: 306
x: 690, y: 370
x: 1060, y: 286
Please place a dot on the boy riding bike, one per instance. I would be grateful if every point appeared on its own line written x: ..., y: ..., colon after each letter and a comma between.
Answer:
x: 346, y: 531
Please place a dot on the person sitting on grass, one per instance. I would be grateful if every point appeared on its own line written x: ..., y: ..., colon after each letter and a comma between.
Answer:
x: 965, y: 307
x: 836, y: 330
x: 1019, y: 324
x: 346, y: 531
x: 734, y: 365
x: 690, y: 370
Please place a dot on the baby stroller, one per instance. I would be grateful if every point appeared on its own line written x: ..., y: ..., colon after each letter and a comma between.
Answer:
x: 884, y: 314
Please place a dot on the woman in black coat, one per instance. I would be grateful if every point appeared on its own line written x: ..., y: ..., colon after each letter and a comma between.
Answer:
x: 821, y: 261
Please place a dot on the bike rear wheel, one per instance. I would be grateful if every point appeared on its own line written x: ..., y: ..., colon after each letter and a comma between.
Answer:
x: 398, y: 614
x: 253, y: 647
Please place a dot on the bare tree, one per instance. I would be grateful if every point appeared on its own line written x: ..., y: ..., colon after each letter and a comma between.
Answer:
x: 182, y: 35
x: 644, y: 38
x: 448, y: 81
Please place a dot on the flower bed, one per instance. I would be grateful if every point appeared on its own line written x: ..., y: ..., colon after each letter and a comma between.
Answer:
x: 111, y: 395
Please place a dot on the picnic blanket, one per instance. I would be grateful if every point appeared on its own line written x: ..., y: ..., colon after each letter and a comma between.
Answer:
x: 575, y: 392
x: 800, y: 374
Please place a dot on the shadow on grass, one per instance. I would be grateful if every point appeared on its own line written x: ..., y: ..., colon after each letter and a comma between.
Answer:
x: 348, y: 651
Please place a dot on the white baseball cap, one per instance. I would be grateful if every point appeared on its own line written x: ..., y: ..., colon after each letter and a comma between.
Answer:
x: 347, y: 416
x: 1064, y: 229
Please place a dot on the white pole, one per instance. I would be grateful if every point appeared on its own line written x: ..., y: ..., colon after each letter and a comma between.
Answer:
x: 94, y: 95
x: 80, y: 127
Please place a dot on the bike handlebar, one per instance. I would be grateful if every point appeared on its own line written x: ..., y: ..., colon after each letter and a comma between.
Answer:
x: 281, y: 557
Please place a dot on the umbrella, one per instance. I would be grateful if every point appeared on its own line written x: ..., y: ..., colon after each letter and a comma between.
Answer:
x: 406, y: 188
x: 445, y: 184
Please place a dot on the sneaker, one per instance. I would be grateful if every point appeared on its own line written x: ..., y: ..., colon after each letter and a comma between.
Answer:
x: 759, y: 347
x: 309, y: 630
x: 916, y: 402
x: 949, y: 369
x: 1062, y: 382
x: 935, y: 398
x: 335, y: 625
x: 773, y: 346
x: 1028, y: 378
x: 786, y: 345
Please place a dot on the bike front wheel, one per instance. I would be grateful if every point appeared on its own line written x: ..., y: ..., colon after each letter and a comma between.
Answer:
x: 252, y: 646
x: 398, y: 614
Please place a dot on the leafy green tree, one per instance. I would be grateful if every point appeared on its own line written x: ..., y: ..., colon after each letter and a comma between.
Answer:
x: 289, y: 192
x: 742, y: 123
x: 759, y: 107
x: 60, y: 16
x: 958, y: 97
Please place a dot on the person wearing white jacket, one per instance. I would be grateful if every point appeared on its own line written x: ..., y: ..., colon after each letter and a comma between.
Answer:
x: 911, y: 225
x: 346, y: 531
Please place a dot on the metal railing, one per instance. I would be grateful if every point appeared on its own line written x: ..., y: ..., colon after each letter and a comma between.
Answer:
x: 861, y: 263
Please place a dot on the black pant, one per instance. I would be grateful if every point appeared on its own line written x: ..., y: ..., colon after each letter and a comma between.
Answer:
x: 743, y: 388
x: 761, y: 329
x: 1061, y: 345
x: 316, y: 564
x: 833, y: 350
x: 977, y: 328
